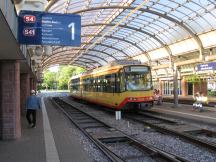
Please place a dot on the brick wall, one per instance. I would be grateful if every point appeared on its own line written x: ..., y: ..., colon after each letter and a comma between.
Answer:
x: 10, y: 125
x: 25, y: 90
x: 201, y: 87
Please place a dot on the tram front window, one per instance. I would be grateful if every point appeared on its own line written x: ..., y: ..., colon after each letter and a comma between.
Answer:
x: 137, y: 81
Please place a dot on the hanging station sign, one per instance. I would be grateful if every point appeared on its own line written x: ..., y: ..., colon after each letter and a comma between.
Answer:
x: 41, y: 28
x: 207, y: 66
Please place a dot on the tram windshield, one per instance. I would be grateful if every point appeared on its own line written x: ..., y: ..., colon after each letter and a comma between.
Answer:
x: 138, y: 78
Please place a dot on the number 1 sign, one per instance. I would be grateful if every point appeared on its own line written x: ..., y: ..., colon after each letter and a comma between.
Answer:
x: 40, y: 28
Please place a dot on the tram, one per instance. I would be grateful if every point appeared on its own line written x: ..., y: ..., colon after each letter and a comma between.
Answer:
x: 121, y: 85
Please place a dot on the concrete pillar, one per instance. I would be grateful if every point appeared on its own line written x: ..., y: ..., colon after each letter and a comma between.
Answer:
x: 184, y: 87
x: 175, y: 90
x: 24, y: 90
x: 10, y: 125
x: 161, y: 87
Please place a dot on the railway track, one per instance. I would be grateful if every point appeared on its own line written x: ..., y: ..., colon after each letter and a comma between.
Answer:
x: 201, y: 137
x: 116, y: 145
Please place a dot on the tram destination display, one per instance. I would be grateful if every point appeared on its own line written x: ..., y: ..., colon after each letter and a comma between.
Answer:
x: 41, y: 28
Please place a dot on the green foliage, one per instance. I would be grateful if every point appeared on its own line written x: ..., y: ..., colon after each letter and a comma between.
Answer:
x: 194, y: 78
x: 49, y: 79
x: 211, y: 93
x: 60, y: 78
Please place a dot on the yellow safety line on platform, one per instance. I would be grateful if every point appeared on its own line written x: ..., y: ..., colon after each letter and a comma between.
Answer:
x: 201, y: 116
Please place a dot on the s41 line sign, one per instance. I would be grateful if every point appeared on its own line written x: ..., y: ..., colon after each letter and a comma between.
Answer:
x: 41, y: 28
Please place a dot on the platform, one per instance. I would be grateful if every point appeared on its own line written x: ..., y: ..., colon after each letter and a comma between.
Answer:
x: 189, y: 100
x: 185, y: 111
x: 53, y: 140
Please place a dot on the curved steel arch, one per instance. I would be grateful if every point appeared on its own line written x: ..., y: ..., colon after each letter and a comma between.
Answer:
x: 57, y: 61
x: 105, y: 53
x: 90, y: 59
x: 139, y: 30
x: 53, y: 62
x: 165, y: 16
x: 77, y: 64
x: 117, y: 38
x: 105, y: 45
x: 53, y: 56
x: 81, y: 61
x: 101, y: 52
x: 87, y: 54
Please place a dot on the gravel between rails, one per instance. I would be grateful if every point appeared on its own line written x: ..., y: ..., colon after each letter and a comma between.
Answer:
x: 167, y: 143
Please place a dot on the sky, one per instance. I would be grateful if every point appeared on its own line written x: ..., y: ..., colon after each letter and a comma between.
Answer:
x: 54, y: 68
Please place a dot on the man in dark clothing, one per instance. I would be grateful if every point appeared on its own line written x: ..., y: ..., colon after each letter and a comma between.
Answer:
x: 33, y: 103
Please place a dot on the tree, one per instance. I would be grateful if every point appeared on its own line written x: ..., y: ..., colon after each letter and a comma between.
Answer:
x: 49, y: 79
x: 65, y: 73
x: 61, y: 77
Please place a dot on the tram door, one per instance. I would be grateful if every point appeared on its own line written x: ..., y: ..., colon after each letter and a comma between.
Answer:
x: 190, y: 88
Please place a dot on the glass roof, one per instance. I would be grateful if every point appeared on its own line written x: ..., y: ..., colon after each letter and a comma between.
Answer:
x: 153, y: 32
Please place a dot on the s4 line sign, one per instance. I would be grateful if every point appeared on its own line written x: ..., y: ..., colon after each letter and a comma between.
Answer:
x: 41, y: 28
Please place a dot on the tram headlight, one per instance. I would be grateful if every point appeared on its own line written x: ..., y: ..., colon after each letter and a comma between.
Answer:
x: 132, y: 99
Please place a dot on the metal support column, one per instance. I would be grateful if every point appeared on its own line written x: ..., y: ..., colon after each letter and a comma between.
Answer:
x: 175, y: 82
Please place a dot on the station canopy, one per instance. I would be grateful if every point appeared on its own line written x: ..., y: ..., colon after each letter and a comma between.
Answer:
x: 156, y: 32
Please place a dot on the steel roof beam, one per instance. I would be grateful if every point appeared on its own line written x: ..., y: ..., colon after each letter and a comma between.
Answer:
x: 85, y: 63
x: 120, y: 39
x: 139, y: 30
x: 87, y: 54
x: 54, y: 62
x: 105, y: 53
x: 165, y: 16
x: 90, y: 60
x: 105, y: 45
x: 70, y: 54
x: 57, y: 61
x: 52, y: 57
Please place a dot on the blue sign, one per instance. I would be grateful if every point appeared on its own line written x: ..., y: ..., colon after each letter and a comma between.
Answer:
x: 207, y: 66
x: 41, y: 28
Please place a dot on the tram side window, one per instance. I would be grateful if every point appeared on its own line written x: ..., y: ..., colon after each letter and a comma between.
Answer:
x: 100, y: 84
x: 76, y: 84
x: 122, y: 81
x: 109, y: 83
x: 91, y: 85
x: 112, y: 83
x: 86, y: 84
x: 117, y: 82
x: 95, y: 84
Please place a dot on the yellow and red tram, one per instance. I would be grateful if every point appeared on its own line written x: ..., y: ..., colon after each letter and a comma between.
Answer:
x: 118, y: 86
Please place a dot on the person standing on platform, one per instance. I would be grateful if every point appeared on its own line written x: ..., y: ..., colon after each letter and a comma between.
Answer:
x: 33, y: 103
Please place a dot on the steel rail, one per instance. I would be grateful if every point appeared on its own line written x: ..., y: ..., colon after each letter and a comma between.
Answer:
x: 107, y: 152
x: 144, y: 148
x: 185, y: 136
